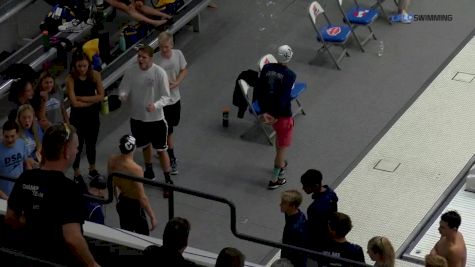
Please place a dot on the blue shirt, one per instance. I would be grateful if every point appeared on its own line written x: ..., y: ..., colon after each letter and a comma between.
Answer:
x: 29, y: 139
x: 323, y: 205
x: 295, y: 234
x: 11, y: 163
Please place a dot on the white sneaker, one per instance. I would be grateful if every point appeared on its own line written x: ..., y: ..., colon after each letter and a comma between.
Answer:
x: 74, y: 26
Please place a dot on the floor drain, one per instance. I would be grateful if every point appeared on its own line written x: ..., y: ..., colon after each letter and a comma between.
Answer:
x: 463, y: 77
x: 386, y: 165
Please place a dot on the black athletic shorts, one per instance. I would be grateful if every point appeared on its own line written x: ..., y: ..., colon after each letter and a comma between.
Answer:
x: 154, y: 132
x: 172, y: 115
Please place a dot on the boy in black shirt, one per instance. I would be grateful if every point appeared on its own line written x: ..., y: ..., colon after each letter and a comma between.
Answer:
x: 339, y: 225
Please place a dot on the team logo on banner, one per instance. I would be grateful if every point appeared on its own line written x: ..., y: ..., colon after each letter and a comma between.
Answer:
x: 334, y: 31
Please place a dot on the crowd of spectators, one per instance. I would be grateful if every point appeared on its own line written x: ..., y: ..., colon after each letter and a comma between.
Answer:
x: 46, y: 210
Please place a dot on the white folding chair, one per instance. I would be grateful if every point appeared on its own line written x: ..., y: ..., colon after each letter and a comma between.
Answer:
x: 329, y: 34
x: 254, y: 109
x: 269, y: 58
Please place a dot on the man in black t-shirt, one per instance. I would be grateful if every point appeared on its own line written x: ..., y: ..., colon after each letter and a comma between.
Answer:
x: 339, y: 225
x: 47, y: 207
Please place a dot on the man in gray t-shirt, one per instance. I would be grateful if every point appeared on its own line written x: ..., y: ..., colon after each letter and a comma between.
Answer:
x: 174, y: 64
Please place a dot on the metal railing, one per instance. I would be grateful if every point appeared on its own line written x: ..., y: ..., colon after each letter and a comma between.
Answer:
x: 232, y: 208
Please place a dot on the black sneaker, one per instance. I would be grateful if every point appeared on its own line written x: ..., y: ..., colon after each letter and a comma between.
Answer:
x: 93, y: 174
x: 149, y: 174
x: 174, y: 167
x: 283, y: 170
x: 276, y: 184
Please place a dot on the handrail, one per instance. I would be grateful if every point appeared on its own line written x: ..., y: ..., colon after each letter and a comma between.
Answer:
x: 116, y: 68
x: 51, y: 53
x: 19, y: 5
x: 232, y: 208
x: 19, y: 254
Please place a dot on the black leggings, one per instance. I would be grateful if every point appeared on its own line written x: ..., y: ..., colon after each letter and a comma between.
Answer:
x: 132, y: 216
x: 87, y: 132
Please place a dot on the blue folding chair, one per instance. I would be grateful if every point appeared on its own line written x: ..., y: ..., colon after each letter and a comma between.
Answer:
x: 359, y: 16
x: 329, y: 35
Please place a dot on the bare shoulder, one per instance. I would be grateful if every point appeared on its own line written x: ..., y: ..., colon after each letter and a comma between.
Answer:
x: 136, y: 169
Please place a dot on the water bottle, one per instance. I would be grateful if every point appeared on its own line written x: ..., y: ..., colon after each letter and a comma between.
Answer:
x: 226, y: 117
x: 45, y: 40
x: 105, y: 106
x: 122, y: 43
x: 380, y: 49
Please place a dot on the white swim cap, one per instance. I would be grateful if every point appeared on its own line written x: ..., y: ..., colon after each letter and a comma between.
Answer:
x: 284, y: 54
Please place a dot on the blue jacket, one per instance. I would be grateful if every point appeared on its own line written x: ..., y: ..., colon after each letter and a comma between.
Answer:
x: 323, y: 205
x: 295, y: 233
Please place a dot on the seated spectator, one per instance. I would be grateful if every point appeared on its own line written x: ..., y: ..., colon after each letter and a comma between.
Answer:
x: 31, y: 133
x: 435, y: 261
x: 94, y: 208
x: 21, y: 92
x: 51, y: 107
x: 339, y: 225
x: 175, y: 240
x: 139, y: 11
x: 282, y: 263
x: 324, y: 204
x: 230, y: 257
x: 13, y: 157
x: 381, y: 251
x: 295, y: 233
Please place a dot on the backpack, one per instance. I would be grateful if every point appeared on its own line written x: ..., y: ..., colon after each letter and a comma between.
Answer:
x: 56, y: 17
x: 169, y: 7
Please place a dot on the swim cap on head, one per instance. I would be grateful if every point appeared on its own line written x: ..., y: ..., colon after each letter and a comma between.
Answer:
x: 284, y: 54
x: 127, y: 144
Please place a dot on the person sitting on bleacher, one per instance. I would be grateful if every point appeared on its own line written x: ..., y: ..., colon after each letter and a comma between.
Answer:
x: 175, y: 240
x: 139, y: 11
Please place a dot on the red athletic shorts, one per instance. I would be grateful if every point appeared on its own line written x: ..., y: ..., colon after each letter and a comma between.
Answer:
x: 283, y: 129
